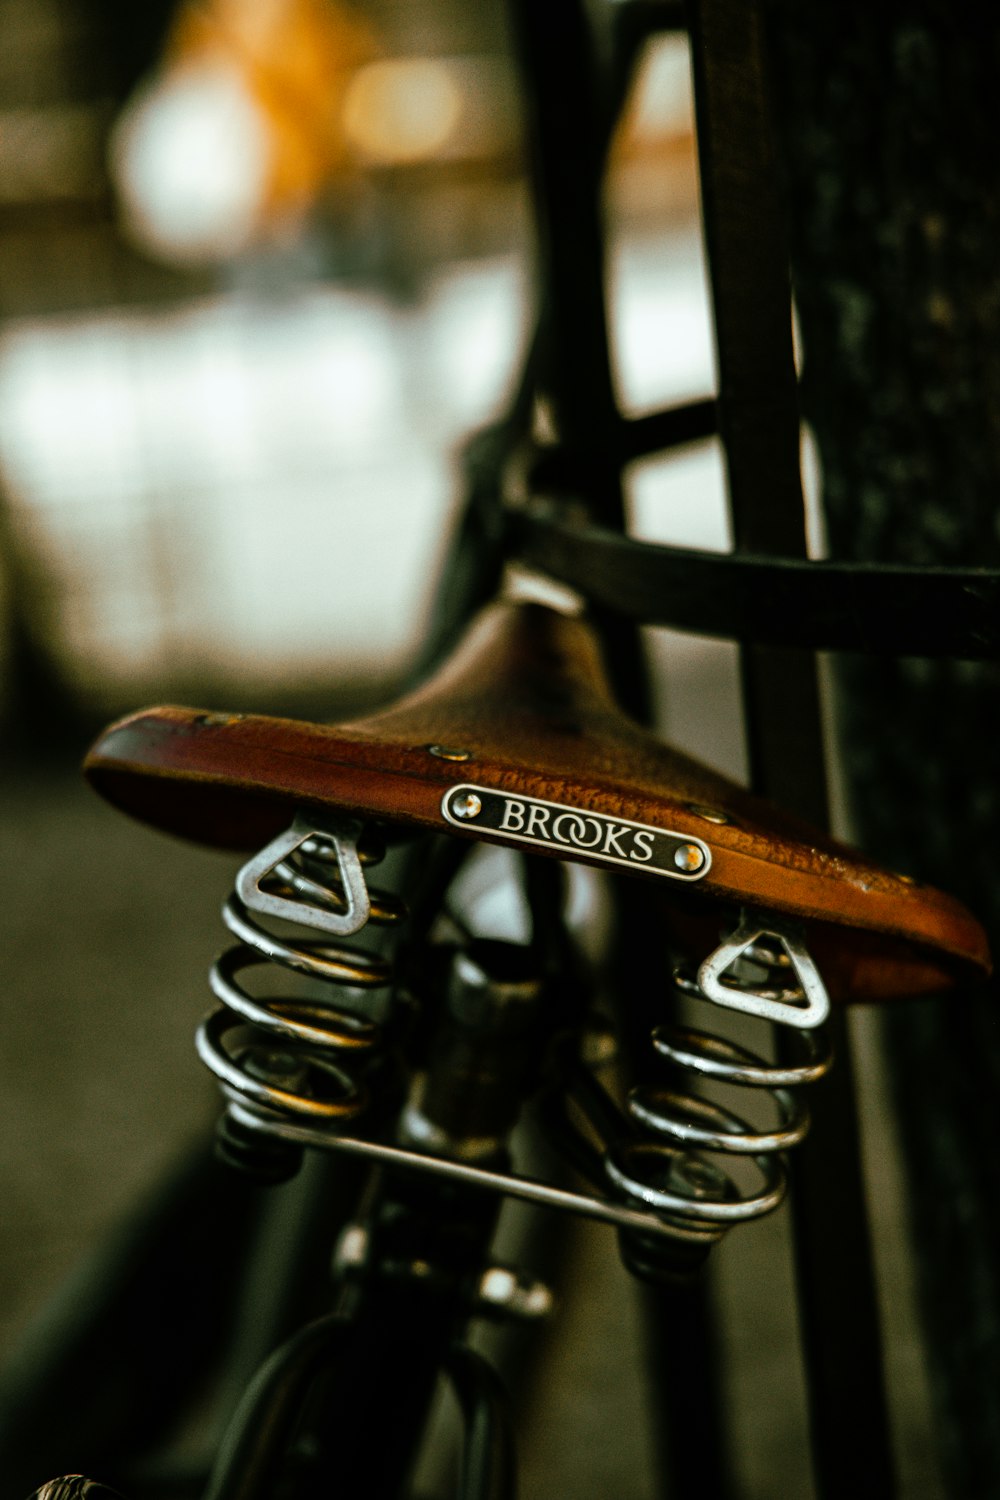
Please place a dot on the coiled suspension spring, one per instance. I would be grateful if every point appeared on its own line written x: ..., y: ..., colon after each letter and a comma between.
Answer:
x: 295, y: 1070
x: 280, y: 1057
x: 764, y: 970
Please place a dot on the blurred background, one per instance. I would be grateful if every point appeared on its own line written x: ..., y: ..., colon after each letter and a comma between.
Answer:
x: 263, y: 265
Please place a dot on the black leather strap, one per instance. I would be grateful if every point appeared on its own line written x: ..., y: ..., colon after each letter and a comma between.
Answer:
x: 771, y: 601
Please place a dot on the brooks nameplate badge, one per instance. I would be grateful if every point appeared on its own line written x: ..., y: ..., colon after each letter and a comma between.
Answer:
x: 576, y: 831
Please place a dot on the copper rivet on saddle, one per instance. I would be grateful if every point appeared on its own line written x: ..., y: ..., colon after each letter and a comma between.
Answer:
x: 710, y: 814
x: 447, y: 752
x: 218, y: 721
x: 468, y: 806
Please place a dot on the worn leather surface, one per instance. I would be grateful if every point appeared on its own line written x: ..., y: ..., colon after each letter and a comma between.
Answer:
x: 525, y: 695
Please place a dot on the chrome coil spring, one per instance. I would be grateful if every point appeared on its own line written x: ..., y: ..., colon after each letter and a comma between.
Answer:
x: 299, y: 1057
x: 763, y: 969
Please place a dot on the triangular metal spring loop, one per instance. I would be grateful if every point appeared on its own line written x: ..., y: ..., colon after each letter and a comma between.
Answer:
x: 340, y: 834
x: 752, y: 928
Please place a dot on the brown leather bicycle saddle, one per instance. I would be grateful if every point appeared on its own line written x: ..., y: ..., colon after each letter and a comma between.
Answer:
x: 517, y: 740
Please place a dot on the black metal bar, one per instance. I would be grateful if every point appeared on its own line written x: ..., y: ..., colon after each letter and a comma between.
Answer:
x: 759, y: 422
x: 489, y: 1461
x: 747, y: 254
x: 568, y: 102
x: 255, y: 1446
x: 565, y: 114
x: 556, y: 469
x: 408, y: 1306
x: 689, y: 1431
x: 873, y: 608
x: 656, y: 431
x: 682, y: 1348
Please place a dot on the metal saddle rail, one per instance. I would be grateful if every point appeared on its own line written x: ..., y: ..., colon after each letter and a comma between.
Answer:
x: 516, y: 739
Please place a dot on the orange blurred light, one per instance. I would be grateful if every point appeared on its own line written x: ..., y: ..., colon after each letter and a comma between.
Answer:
x: 402, y: 109
x: 296, y: 58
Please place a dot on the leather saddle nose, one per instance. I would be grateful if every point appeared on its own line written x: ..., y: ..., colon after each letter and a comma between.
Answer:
x: 517, y: 739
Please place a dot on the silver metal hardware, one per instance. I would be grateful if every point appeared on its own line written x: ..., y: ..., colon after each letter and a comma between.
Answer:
x: 352, y: 1249
x: 598, y: 1044
x: 508, y: 1184
x: 296, y: 1059
x: 263, y: 1086
x: 504, y: 1290
x: 689, y: 858
x: 447, y: 752
x: 286, y: 1065
x: 340, y: 910
x: 577, y: 832
x: 416, y: 1130
x: 218, y: 721
x: 466, y: 1101
x: 782, y: 1003
x: 769, y: 974
x: 468, y: 805
x: 710, y: 814
x: 480, y: 996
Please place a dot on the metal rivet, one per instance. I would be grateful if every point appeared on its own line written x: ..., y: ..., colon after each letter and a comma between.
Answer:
x: 351, y: 1250
x: 445, y: 752
x: 468, y: 806
x: 521, y: 1296
x: 217, y: 721
x: 702, y: 1178
x: 689, y: 857
x: 907, y: 879
x: 710, y: 814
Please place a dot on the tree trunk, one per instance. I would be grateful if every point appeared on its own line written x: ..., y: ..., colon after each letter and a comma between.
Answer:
x: 890, y: 122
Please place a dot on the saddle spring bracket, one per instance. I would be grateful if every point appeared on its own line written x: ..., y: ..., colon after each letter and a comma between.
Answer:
x: 296, y: 1071
x: 301, y: 1058
x: 762, y: 970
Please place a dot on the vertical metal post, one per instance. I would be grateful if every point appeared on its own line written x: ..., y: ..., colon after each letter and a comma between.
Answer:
x: 565, y: 102
x: 683, y: 1354
x: 758, y: 412
x: 565, y: 144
